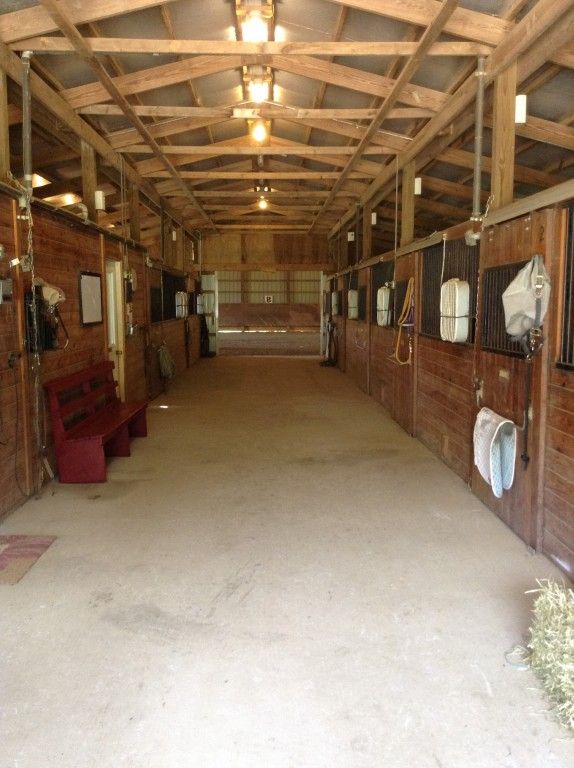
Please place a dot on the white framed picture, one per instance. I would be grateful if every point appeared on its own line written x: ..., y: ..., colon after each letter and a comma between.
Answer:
x: 90, y: 298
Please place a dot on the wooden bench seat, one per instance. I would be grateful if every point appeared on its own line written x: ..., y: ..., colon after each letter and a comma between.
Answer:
x: 89, y: 422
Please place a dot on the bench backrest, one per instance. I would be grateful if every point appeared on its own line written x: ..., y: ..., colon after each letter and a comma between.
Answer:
x: 81, y: 396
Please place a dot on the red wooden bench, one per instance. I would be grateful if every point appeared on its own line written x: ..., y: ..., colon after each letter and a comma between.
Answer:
x: 89, y: 422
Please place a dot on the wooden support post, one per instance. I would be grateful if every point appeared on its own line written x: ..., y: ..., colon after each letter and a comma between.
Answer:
x: 134, y: 212
x: 4, y: 129
x: 24, y: 437
x: 408, y: 204
x: 179, y: 248
x: 89, y: 179
x: 503, y: 139
x: 367, y: 232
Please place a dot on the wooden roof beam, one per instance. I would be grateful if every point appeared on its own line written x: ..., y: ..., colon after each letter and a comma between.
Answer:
x: 549, y: 22
x: 67, y: 27
x: 125, y: 45
x: 430, y: 35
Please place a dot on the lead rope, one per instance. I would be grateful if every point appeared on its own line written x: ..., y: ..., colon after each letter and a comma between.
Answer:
x: 405, y: 321
x: 531, y: 344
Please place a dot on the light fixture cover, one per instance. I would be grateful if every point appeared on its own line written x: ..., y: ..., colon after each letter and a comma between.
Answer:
x: 520, y: 109
x: 418, y: 185
x: 373, y: 218
x: 99, y: 200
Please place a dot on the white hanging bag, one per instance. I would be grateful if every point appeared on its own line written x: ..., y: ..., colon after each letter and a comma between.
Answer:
x: 526, y: 299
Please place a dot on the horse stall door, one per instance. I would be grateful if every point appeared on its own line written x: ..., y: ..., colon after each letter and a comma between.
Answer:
x: 500, y: 369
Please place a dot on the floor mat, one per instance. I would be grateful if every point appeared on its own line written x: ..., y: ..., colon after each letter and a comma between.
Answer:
x: 19, y: 553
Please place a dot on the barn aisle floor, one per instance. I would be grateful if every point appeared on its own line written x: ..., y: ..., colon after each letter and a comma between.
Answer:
x: 278, y: 577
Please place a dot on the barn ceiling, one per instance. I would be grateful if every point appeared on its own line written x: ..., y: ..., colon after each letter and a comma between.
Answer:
x: 348, y: 92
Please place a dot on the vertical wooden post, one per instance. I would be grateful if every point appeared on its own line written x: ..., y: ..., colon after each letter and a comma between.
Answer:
x: 23, y: 366
x: 367, y: 232
x: 134, y: 213
x: 408, y: 204
x: 503, y: 138
x: 4, y: 129
x: 367, y: 252
x: 89, y: 179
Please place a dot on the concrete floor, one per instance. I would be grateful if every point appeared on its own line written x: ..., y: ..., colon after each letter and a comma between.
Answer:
x: 278, y: 577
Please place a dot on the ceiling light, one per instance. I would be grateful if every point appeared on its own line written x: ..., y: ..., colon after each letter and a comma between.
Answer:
x: 254, y: 29
x: 259, y: 131
x: 258, y: 91
x: 39, y: 181
x: 99, y: 200
x: 262, y: 203
x: 520, y: 109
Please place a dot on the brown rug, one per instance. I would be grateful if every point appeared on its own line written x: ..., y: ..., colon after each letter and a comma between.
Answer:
x: 19, y: 553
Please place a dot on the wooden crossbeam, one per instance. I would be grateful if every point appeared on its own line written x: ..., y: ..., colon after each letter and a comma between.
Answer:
x: 413, y: 63
x: 253, y: 113
x: 124, y: 45
x: 214, y: 150
x: 67, y: 27
x: 548, y: 23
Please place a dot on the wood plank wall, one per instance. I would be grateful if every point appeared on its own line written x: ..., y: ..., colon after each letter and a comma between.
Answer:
x: 340, y: 323
x: 445, y: 402
x: 135, y: 373
x: 435, y: 398
x: 63, y: 247
x: 12, y: 454
x: 357, y: 342
x: 558, y: 528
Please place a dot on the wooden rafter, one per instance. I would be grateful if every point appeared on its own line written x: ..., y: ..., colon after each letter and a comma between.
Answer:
x: 414, y: 62
x: 54, y: 8
x: 550, y: 21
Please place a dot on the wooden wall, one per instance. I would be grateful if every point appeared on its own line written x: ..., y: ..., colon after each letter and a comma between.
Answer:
x: 63, y: 247
x: 436, y: 400
x: 445, y: 402
x: 262, y: 316
x: 357, y: 342
x: 135, y: 373
x: 264, y: 249
x: 558, y: 527
x: 558, y: 446
x: 14, y: 478
x: 340, y: 321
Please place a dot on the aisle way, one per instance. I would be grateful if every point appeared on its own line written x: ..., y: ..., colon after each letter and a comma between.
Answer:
x: 278, y: 577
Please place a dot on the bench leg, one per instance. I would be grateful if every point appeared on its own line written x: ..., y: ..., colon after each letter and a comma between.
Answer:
x: 119, y: 444
x: 82, y: 462
x: 138, y: 425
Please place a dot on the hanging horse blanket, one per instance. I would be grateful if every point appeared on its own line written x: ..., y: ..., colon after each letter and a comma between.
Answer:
x: 495, y: 450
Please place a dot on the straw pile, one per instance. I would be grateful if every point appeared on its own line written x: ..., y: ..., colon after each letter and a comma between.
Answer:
x: 551, y: 646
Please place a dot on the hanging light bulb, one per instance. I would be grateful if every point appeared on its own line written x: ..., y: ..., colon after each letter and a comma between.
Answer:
x: 259, y: 91
x: 254, y: 29
x: 259, y: 131
x: 262, y: 203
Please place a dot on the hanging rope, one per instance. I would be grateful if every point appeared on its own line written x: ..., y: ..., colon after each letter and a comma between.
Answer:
x: 406, y: 320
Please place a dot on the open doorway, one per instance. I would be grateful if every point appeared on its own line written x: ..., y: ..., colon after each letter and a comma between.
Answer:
x: 115, y: 321
x: 269, y: 312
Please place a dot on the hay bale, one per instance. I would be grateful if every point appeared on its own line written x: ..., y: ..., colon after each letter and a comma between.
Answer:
x: 551, y: 646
